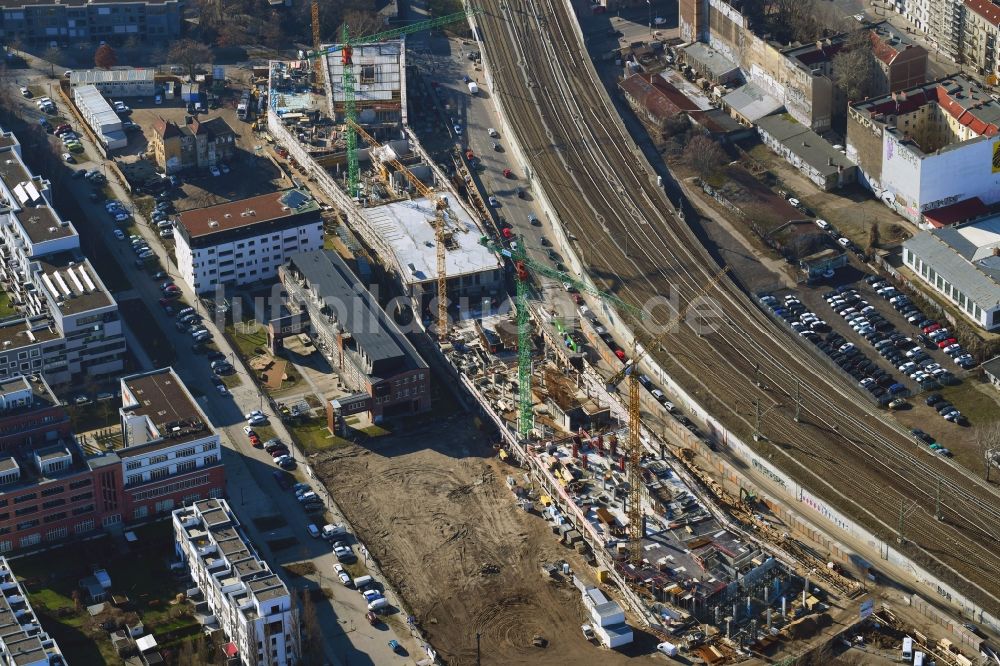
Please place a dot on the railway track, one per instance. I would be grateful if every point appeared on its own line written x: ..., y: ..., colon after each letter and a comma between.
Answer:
x: 842, y: 449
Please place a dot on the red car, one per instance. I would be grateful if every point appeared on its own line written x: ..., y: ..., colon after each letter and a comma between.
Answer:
x: 620, y: 354
x: 507, y: 173
x: 255, y: 441
x: 63, y: 128
x: 277, y: 453
x: 946, y: 342
x: 932, y: 327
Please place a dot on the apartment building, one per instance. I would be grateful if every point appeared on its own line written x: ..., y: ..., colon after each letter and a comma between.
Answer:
x: 171, y: 454
x: 65, y: 325
x: 928, y: 147
x: 194, y: 145
x: 353, y: 331
x: 982, y: 36
x: 946, y: 26
x: 52, y: 23
x: 120, y: 82
x: 252, y: 605
x: 245, y: 241
x: 99, y: 115
x: 54, y: 488
x: 23, y: 640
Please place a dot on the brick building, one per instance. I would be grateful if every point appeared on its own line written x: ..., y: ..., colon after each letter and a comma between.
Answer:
x: 54, y: 488
x: 195, y: 145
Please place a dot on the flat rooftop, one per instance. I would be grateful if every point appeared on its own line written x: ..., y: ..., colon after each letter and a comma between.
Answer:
x: 813, y: 149
x: 203, y: 223
x: 388, y: 59
x: 82, y: 77
x: 41, y: 223
x: 408, y: 228
x: 75, y: 288
x: 162, y: 398
x: 18, y: 333
x: 23, y: 394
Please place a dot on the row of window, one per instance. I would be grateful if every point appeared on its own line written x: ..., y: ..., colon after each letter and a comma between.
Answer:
x: 945, y: 287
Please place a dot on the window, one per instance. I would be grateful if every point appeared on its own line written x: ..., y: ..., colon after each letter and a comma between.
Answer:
x: 48, y: 492
x: 54, y: 517
x: 210, y: 460
x: 133, y: 464
x: 211, y: 446
x: 161, y: 473
x: 31, y: 540
x: 85, y: 526
x: 27, y: 525
x: 184, y: 453
x: 164, y: 505
x: 140, y: 513
x: 25, y: 498
x: 112, y: 520
x: 81, y: 496
x: 26, y: 511
x: 78, y: 484
x: 53, y: 503
x: 86, y: 508
x: 154, y: 460
x: 133, y: 479
x: 58, y: 533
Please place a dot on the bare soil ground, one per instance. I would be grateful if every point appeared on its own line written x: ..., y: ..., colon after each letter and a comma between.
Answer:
x: 432, y: 506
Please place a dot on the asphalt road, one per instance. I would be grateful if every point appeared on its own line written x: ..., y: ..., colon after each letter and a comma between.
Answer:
x: 347, y: 636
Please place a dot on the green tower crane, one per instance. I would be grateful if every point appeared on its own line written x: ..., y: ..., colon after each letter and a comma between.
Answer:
x: 346, y: 48
x: 525, y: 416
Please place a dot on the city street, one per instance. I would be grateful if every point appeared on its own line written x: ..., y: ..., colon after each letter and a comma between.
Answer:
x: 251, y: 488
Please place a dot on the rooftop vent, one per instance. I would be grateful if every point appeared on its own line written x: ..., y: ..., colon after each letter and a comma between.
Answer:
x: 213, y: 223
x: 249, y: 212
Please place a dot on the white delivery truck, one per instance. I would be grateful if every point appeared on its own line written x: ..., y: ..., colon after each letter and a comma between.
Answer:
x: 668, y: 649
x: 473, y: 88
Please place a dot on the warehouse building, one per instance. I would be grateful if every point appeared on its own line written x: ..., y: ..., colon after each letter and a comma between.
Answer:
x: 929, y: 146
x: 807, y: 151
x: 962, y: 264
x: 100, y: 116
x: 353, y: 331
x: 252, y: 605
x: 123, y: 82
x: 241, y: 242
x: 65, y: 324
x: 24, y: 642
x: 51, y: 22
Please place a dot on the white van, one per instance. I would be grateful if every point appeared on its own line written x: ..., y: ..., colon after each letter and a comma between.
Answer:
x: 378, y: 604
x: 331, y: 531
x: 361, y: 582
x: 313, y: 531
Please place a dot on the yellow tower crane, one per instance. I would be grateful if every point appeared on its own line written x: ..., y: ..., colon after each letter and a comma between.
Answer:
x: 317, y: 62
x: 440, y: 206
x: 635, y: 521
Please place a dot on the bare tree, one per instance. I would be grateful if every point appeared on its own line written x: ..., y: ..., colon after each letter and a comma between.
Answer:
x: 704, y: 155
x: 312, y: 652
x: 874, y: 237
x: 855, y: 69
x: 190, y: 55
x: 988, y: 441
x: 361, y: 22
x: 52, y: 55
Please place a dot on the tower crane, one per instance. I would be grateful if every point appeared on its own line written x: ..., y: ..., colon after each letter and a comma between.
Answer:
x: 635, y: 520
x: 521, y: 261
x: 346, y: 49
x: 440, y: 206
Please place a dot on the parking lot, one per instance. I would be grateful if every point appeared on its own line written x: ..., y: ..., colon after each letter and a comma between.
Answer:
x: 248, y: 174
x: 895, y: 354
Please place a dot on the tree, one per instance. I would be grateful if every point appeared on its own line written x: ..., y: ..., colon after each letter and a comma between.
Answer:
x: 190, y: 55
x: 988, y: 441
x: 874, y: 237
x: 855, y: 69
x: 105, y: 57
x: 362, y: 22
x: 312, y: 651
x: 704, y: 155
x: 52, y: 55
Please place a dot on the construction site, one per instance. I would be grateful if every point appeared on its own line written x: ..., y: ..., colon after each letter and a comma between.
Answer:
x: 559, y: 476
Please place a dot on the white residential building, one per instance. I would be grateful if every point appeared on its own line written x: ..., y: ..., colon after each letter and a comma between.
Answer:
x: 251, y: 604
x: 66, y: 325
x: 100, y: 116
x: 23, y: 641
x: 123, y: 82
x: 241, y: 242
x: 170, y: 453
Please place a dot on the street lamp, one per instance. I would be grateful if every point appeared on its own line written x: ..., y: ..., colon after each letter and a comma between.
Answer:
x: 649, y: 4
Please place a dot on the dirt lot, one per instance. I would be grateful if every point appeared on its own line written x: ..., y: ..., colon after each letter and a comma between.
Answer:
x: 851, y: 210
x: 432, y: 506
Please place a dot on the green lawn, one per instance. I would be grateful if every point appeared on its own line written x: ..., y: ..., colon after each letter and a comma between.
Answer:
x: 247, y: 342
x: 312, y: 436
x: 6, y: 307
